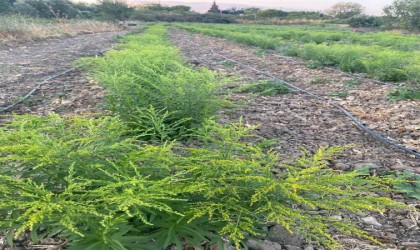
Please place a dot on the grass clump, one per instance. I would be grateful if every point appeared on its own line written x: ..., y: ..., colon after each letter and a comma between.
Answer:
x: 265, y: 88
x: 404, y: 94
x: 82, y: 179
x: 148, y: 72
x: 353, y: 83
x: 341, y: 94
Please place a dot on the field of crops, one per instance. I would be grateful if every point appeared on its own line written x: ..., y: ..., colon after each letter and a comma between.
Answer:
x: 158, y: 169
x: 384, y: 56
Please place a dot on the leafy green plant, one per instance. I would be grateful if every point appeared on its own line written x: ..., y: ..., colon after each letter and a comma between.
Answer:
x: 84, y: 180
x: 312, y: 64
x: 404, y: 94
x: 265, y: 88
x: 153, y: 125
x: 148, y: 72
x: 408, y: 183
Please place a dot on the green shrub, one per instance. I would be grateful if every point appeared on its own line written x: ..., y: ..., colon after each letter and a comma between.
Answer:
x: 6, y: 6
x: 148, y: 72
x: 114, y: 9
x: 48, y: 8
x: 79, y: 178
x: 388, y: 66
x: 365, y: 21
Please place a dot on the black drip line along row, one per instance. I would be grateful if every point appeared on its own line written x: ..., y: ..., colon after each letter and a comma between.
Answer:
x: 43, y: 82
x: 358, y: 123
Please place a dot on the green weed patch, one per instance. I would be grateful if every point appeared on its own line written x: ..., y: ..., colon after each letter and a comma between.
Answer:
x: 265, y: 88
x: 404, y: 94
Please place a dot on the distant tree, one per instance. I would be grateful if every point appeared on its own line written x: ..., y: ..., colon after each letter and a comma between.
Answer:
x: 6, y: 6
x: 405, y: 13
x: 180, y: 8
x: 155, y: 7
x: 270, y: 13
x: 345, y: 10
x: 214, y: 8
x: 114, y: 9
x: 233, y: 11
x: 252, y: 12
x: 365, y: 21
x: 47, y: 8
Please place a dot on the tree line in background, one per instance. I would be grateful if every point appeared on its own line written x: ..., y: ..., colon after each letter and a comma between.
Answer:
x: 400, y: 14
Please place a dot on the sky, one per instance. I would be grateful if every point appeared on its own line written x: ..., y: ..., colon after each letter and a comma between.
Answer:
x: 372, y: 6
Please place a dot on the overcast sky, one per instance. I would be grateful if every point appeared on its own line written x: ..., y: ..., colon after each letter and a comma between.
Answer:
x: 372, y: 6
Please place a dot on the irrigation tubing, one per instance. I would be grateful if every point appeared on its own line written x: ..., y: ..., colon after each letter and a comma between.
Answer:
x: 358, y: 123
x: 23, y: 98
x: 30, y: 93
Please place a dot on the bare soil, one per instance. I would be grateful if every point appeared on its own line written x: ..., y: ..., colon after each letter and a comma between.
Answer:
x: 297, y: 121
x: 24, y: 65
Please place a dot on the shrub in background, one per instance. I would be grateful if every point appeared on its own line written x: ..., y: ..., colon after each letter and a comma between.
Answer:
x: 365, y: 21
x: 404, y: 13
x: 114, y: 9
x: 6, y: 6
x: 47, y: 8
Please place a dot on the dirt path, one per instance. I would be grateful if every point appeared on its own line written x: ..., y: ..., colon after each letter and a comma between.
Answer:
x: 24, y: 65
x: 299, y: 121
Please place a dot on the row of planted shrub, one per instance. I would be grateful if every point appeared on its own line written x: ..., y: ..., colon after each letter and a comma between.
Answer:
x: 146, y: 71
x: 385, y: 64
x: 120, y: 182
x: 318, y: 34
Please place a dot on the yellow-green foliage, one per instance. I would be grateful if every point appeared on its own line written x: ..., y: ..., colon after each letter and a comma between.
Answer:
x: 146, y: 71
x: 82, y: 179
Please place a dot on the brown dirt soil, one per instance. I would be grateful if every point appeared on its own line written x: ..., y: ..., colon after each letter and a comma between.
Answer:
x: 297, y: 121
x: 24, y: 65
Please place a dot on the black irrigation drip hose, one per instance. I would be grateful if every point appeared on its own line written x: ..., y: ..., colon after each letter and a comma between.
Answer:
x: 11, y: 106
x: 30, y: 93
x: 341, y: 109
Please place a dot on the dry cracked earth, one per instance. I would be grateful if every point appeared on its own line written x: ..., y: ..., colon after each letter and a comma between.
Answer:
x: 294, y: 120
